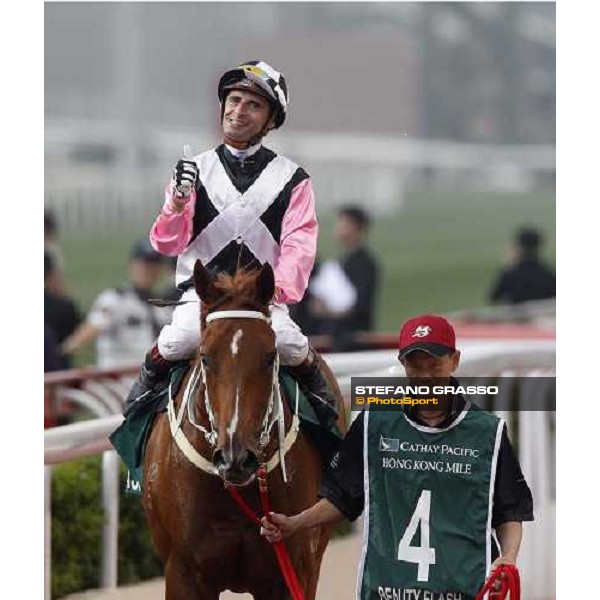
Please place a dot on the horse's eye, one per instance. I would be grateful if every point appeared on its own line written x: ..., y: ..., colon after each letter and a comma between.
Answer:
x: 271, y: 359
x: 206, y: 361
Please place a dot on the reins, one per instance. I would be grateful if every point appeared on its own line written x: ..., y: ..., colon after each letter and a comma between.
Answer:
x: 510, y: 583
x: 283, y: 558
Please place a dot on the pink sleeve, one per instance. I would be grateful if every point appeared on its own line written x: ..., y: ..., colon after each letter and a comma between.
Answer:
x: 298, y: 243
x: 172, y: 230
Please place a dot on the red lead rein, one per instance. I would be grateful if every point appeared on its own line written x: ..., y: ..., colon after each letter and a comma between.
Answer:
x: 510, y: 582
x: 283, y: 558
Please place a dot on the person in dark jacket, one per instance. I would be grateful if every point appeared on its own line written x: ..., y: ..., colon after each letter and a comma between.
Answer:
x: 61, y: 314
x: 527, y: 278
x: 52, y: 356
x: 360, y: 271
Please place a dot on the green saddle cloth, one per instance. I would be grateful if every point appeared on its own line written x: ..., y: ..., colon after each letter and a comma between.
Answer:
x: 131, y: 437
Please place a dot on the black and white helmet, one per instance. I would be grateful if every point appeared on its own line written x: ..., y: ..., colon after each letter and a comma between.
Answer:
x: 262, y: 77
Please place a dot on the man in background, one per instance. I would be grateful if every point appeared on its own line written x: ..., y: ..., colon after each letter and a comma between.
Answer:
x: 52, y: 247
x: 52, y: 358
x: 527, y: 277
x: 344, y: 292
x: 121, y: 321
x: 61, y: 316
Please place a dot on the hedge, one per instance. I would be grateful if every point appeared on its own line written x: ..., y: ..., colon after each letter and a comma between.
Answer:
x: 77, y: 519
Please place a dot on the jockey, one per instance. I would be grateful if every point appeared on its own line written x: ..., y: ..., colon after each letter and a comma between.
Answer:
x: 236, y: 205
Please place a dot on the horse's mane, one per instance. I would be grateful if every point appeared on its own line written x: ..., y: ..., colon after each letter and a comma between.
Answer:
x: 240, y: 287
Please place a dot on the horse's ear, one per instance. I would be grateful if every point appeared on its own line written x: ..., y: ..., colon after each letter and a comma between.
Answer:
x: 265, y: 284
x: 203, y: 283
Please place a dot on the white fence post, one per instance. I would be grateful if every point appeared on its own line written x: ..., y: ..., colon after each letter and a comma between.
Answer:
x: 537, y: 556
x: 47, y: 532
x: 110, y: 533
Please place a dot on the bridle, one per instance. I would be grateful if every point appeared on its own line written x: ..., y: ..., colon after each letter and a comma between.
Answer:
x: 273, y: 414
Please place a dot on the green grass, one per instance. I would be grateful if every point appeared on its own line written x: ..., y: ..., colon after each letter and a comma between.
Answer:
x: 442, y: 251
x: 438, y: 253
x: 96, y: 262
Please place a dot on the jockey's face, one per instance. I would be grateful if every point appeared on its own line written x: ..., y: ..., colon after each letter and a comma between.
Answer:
x: 245, y: 116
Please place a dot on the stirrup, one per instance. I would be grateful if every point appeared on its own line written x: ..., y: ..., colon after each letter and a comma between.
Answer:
x: 319, y: 393
x: 144, y: 385
x: 132, y: 403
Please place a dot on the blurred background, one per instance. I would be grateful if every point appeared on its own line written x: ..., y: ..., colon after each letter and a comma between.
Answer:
x: 438, y: 118
x: 428, y: 129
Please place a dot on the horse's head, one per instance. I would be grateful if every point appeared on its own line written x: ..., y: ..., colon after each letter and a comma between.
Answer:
x: 238, y: 357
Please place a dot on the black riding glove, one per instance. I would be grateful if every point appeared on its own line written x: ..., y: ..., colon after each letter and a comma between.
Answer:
x: 185, y: 175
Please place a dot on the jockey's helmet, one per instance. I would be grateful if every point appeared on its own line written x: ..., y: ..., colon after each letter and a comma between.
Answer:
x: 261, y: 78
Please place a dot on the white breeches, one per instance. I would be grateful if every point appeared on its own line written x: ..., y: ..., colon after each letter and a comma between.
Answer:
x: 181, y: 338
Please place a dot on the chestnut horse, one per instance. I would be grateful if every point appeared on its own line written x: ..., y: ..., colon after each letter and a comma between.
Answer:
x: 224, y: 420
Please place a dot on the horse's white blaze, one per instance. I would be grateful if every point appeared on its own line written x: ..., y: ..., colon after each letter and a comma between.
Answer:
x: 235, y: 342
x: 234, y: 420
x: 235, y: 346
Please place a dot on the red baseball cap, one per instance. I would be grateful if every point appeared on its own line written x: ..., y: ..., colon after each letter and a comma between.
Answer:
x: 429, y: 333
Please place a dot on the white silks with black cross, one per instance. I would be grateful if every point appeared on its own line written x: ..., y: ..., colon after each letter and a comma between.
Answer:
x: 239, y: 213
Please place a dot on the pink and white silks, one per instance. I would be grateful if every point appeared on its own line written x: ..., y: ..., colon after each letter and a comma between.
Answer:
x: 171, y: 234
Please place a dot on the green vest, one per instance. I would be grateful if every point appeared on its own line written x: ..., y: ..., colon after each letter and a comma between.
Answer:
x: 428, y: 506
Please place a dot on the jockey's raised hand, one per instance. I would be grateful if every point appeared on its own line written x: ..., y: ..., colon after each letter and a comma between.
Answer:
x: 185, y: 174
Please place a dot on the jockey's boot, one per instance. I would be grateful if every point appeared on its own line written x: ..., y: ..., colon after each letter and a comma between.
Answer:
x: 317, y: 389
x: 154, y: 369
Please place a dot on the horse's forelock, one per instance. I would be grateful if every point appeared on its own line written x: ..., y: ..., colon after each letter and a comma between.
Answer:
x: 241, y: 287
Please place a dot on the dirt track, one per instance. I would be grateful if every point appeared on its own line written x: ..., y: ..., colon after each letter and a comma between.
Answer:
x: 338, y: 578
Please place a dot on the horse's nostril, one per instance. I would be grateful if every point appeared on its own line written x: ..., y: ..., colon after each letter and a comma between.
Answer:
x: 236, y: 469
x: 250, y: 461
x: 218, y: 458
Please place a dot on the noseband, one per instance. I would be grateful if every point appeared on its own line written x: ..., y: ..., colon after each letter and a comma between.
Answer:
x: 236, y: 314
x: 273, y: 414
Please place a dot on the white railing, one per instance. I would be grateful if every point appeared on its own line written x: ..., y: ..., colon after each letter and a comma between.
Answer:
x: 505, y: 358
x: 344, y: 167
